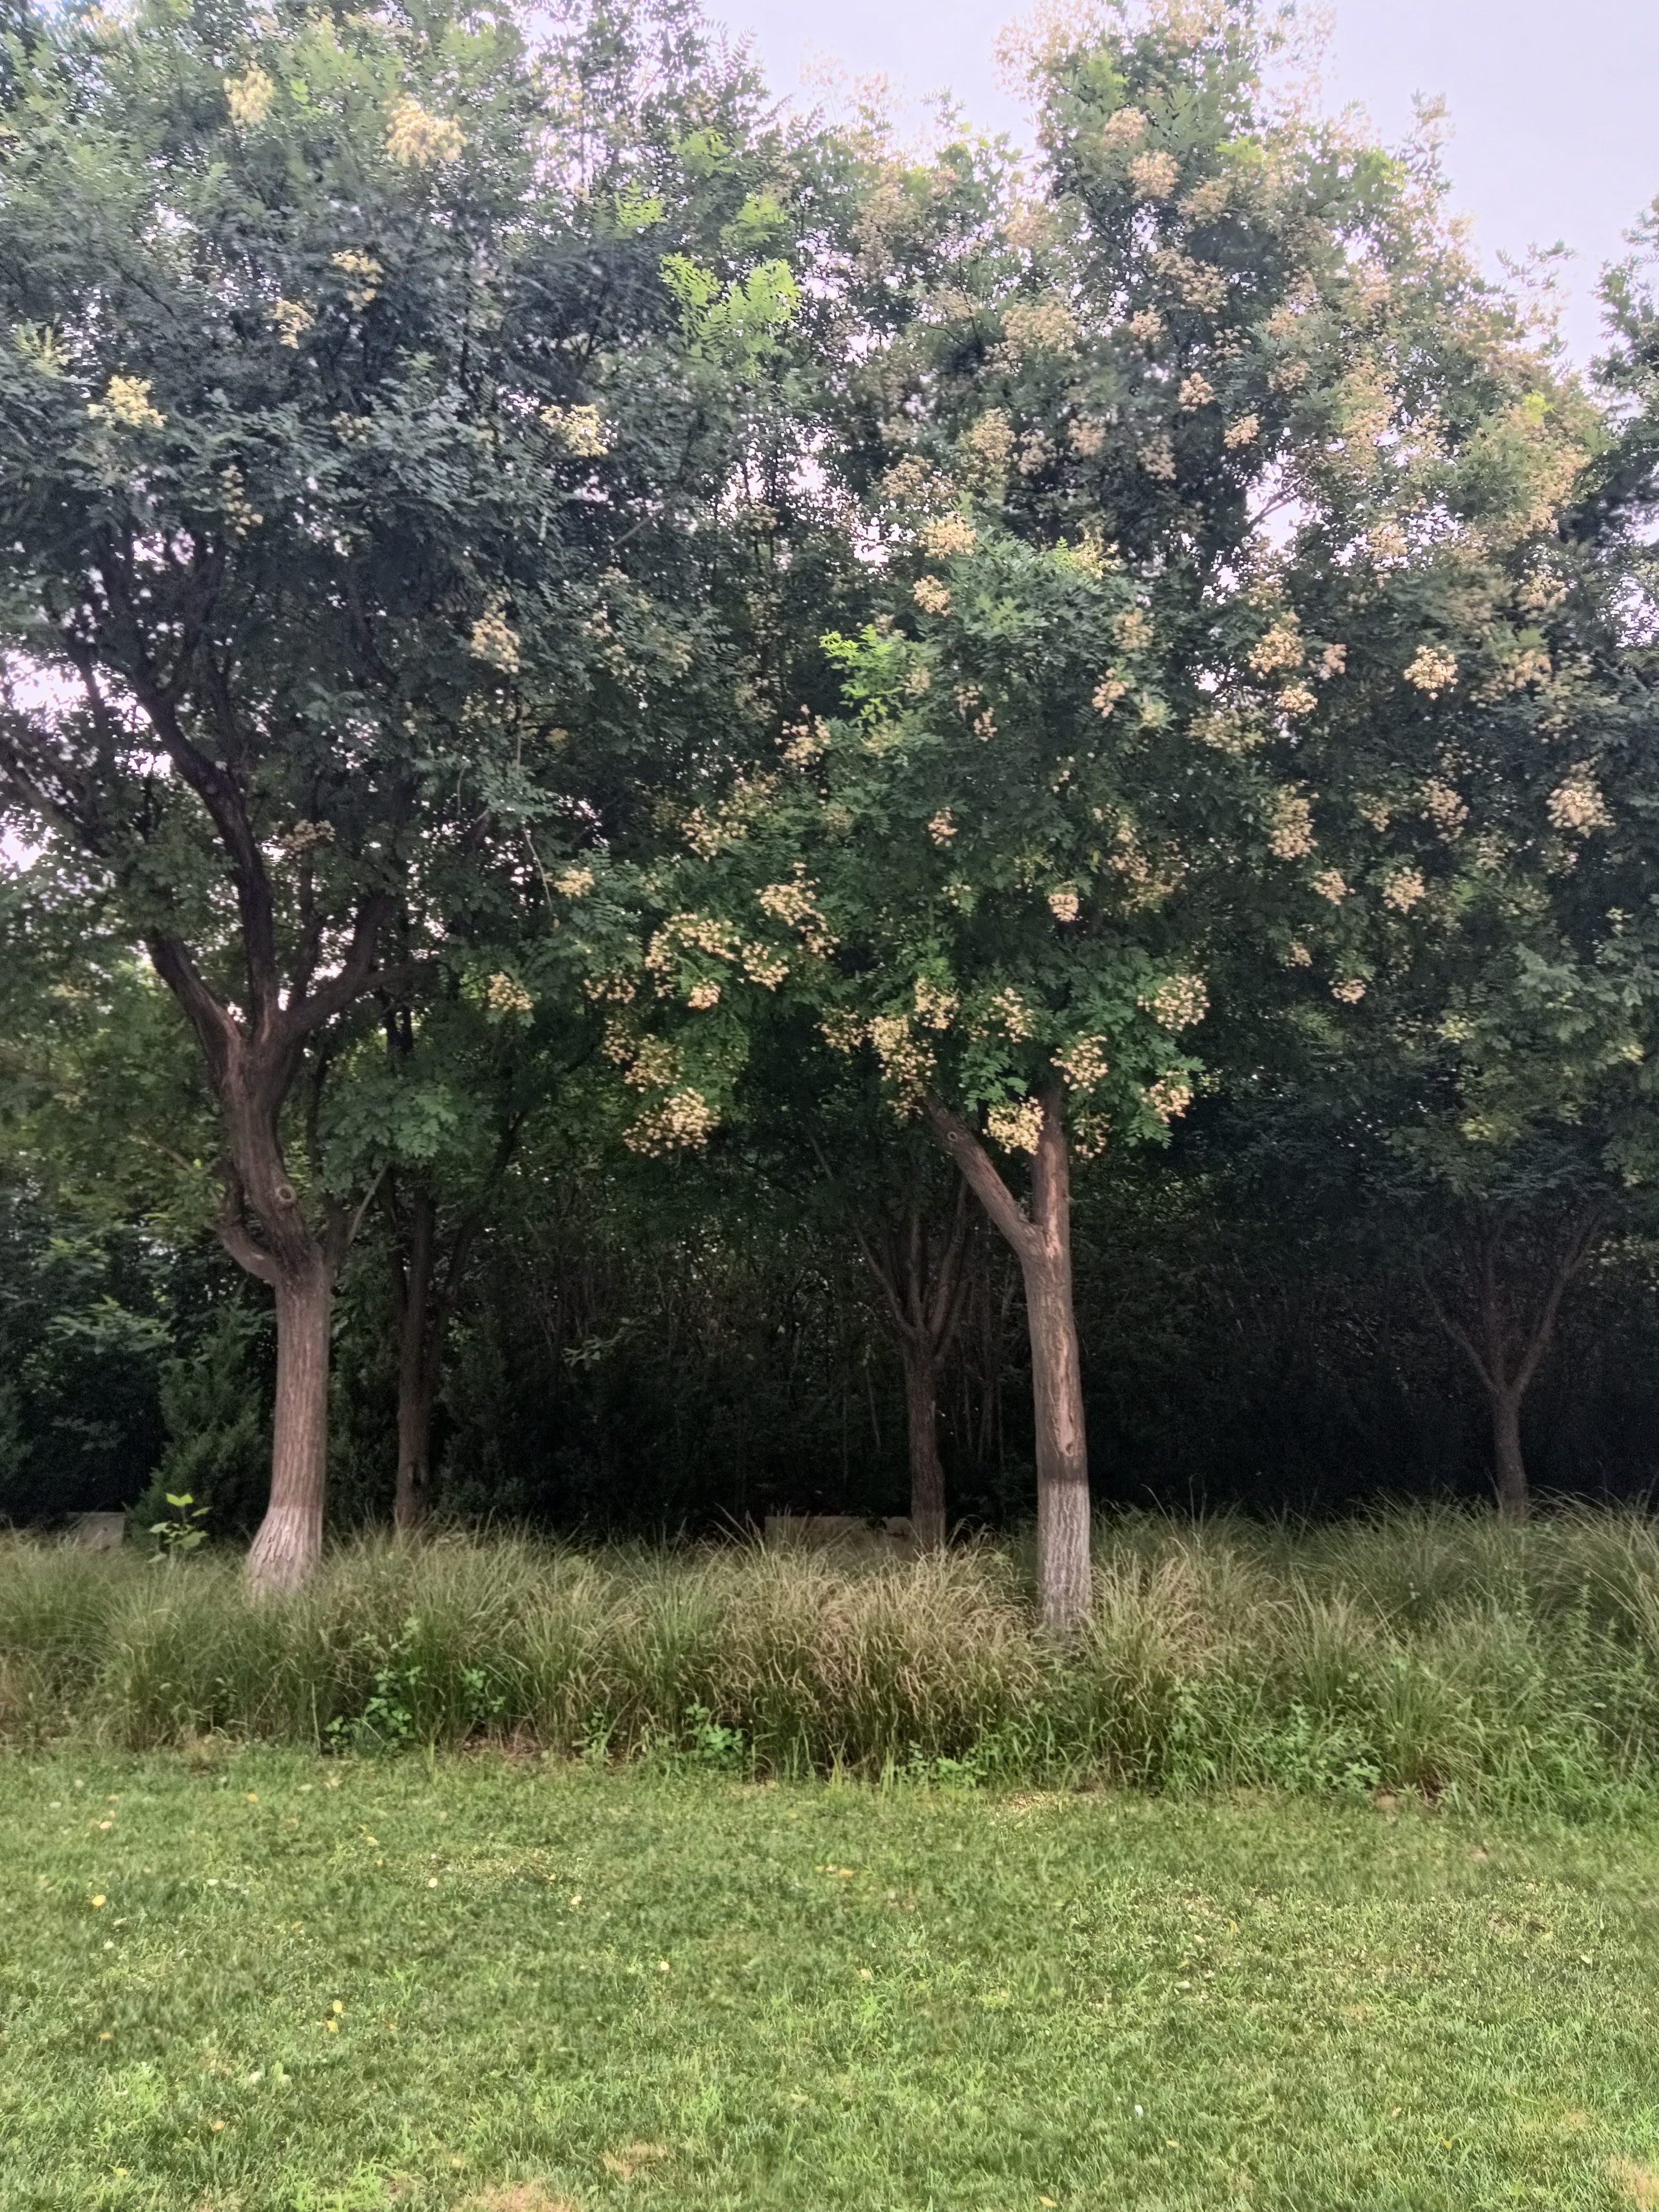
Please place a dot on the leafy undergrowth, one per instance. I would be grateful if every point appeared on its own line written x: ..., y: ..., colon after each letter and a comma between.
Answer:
x: 260, y: 1981
x: 1440, y: 1652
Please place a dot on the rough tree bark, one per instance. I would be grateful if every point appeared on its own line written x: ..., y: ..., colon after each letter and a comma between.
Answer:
x: 925, y: 1288
x: 427, y: 1274
x: 1506, y: 1350
x: 1041, y: 1238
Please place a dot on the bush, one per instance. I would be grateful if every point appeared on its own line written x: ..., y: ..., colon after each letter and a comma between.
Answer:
x: 1431, y: 1650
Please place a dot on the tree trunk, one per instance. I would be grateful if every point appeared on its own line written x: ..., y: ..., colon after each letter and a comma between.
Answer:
x: 1042, y: 1241
x: 290, y: 1538
x: 926, y: 1468
x: 1514, y: 1498
x: 417, y: 1364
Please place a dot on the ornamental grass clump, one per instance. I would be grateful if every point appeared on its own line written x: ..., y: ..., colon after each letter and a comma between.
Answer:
x: 1432, y: 1650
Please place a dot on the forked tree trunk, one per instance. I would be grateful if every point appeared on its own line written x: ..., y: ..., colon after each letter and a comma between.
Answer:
x: 1041, y: 1238
x: 290, y: 1537
x: 1506, y: 1348
x: 924, y: 1285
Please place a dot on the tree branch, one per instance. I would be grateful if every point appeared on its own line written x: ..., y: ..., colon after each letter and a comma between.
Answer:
x: 980, y: 1172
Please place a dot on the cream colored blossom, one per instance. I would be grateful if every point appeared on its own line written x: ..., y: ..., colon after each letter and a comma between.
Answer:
x: 1178, y: 1002
x: 1125, y: 127
x: 495, y: 641
x: 703, y: 995
x: 1154, y: 174
x: 1041, y: 325
x: 241, y: 517
x: 1146, y: 326
x: 935, y: 1005
x: 1158, y: 459
x: 250, y: 96
x: 681, y: 1122
x: 1577, y: 807
x: 504, y: 994
x: 1445, y: 806
x: 990, y: 441
x: 842, y: 1032
x: 1278, y: 647
x: 1244, y: 432
x: 1331, y: 883
x: 1110, y: 689
x: 1288, y: 375
x: 1133, y: 630
x: 126, y: 401
x: 1196, y: 391
x: 1432, y: 671
x: 933, y: 597
x: 947, y: 536
x: 416, y: 139
x: 941, y: 829
x: 1376, y: 813
x: 1297, y: 954
x: 762, y: 965
x: 575, y: 883
x: 362, y: 272
x: 290, y: 319
x: 1351, y: 990
x: 1084, y: 1063
x: 1403, y: 888
x: 906, y: 1062
x: 1064, y: 904
x: 1169, y: 1096
x: 1332, y: 661
x: 1290, y: 836
x: 1010, y: 1011
x: 1298, y: 699
x: 1208, y: 200
x: 804, y: 742
x: 1086, y: 436
x: 578, y: 431
x: 1016, y: 1125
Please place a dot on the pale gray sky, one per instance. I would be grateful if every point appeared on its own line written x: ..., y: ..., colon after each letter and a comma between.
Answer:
x: 1554, y: 109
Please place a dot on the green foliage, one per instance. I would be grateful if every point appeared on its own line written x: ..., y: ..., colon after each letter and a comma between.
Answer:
x: 185, y: 1531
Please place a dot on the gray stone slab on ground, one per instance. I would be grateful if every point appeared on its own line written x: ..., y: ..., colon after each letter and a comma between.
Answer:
x: 97, y: 1532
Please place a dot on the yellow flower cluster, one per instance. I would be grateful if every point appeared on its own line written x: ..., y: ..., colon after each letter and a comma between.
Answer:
x: 1110, y: 689
x: 1127, y: 126
x: 948, y: 535
x: 802, y: 742
x: 842, y: 1032
x: 578, y: 431
x: 1331, y: 883
x: 250, y: 96
x: 941, y: 829
x: 1146, y: 326
x: 1169, y: 1096
x: 1196, y: 391
x: 1010, y: 1011
x: 1207, y: 200
x: 1133, y: 630
x: 703, y: 995
x: 1278, y: 647
x: 1297, y: 954
x: 1086, y: 436
x: 1244, y: 432
x: 763, y: 966
x: 1376, y: 813
x: 1350, y: 991
x: 416, y: 140
x: 127, y: 402
x: 362, y: 272
x: 614, y: 989
x: 1576, y: 808
x: 290, y: 320
x: 575, y: 883
x: 495, y: 642
x: 1432, y: 671
x: 240, y: 516
x: 1158, y: 459
x: 505, y: 994
x: 702, y: 932
x: 906, y: 1062
x: 935, y: 1005
x: 1403, y: 888
x: 1290, y: 823
x: 680, y: 1122
x: 1154, y: 174
x: 1064, y: 904
x: 1332, y: 661
x: 933, y: 597
x: 1017, y: 1124
x: 1178, y: 1002
x: 1298, y: 699
x: 1200, y: 283
x: 1084, y: 1063
x: 990, y: 441
x: 1041, y: 325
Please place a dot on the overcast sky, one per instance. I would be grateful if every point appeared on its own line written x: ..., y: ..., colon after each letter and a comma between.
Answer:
x: 1554, y: 109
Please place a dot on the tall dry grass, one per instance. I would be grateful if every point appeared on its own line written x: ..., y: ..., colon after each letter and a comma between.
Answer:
x: 1426, y: 1649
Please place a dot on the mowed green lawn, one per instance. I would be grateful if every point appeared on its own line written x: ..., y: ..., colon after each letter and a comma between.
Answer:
x: 282, y: 1982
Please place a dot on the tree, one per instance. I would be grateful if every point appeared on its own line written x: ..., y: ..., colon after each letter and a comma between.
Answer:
x: 342, y: 356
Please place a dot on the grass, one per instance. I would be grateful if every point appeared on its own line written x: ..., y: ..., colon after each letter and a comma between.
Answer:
x: 254, y: 1980
x: 1435, y: 1652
